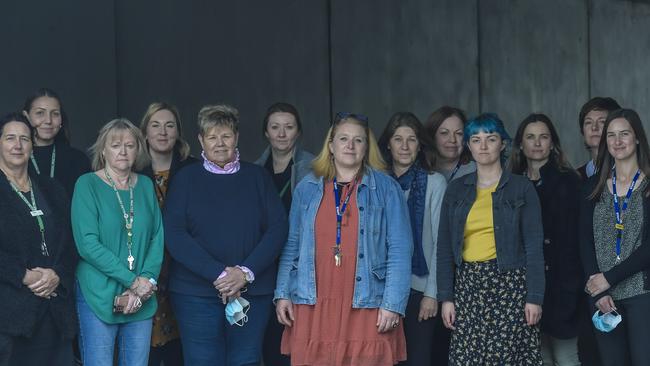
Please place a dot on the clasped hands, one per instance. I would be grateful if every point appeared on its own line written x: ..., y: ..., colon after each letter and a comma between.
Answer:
x: 42, y: 282
x: 597, y: 284
x: 141, y: 290
x: 230, y: 283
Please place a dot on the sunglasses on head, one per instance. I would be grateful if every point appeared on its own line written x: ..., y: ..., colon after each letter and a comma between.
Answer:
x: 344, y: 115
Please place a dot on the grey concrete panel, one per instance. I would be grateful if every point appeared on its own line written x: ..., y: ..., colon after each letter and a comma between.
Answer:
x: 67, y: 46
x: 534, y: 59
x: 620, y: 54
x: 249, y: 54
x: 414, y: 55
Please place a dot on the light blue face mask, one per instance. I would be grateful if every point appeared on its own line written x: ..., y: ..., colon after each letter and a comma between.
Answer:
x: 606, y: 322
x: 236, y: 311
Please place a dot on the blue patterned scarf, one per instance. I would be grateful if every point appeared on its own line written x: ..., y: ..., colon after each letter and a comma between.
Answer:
x: 415, y: 180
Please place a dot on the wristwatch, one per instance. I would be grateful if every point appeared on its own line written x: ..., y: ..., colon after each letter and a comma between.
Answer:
x: 249, y: 276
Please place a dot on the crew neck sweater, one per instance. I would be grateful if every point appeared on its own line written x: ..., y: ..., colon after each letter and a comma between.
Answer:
x: 216, y: 220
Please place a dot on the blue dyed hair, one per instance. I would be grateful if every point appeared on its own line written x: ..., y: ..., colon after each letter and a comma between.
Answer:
x: 488, y: 123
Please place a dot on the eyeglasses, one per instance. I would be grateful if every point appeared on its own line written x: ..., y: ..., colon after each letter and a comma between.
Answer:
x: 344, y: 115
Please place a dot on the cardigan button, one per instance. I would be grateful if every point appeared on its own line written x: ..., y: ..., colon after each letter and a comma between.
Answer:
x: 358, y: 279
x: 361, y: 255
x: 546, y: 267
x: 361, y: 231
x: 361, y: 208
x: 547, y: 241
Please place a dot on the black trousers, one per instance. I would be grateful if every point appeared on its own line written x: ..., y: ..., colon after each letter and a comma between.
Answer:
x: 587, y: 346
x: 419, y: 335
x: 272, y: 339
x: 627, y: 344
x: 45, y: 347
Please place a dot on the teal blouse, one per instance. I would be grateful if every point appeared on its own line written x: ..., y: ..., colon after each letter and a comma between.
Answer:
x: 100, y: 236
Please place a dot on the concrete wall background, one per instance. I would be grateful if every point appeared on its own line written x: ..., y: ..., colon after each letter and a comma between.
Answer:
x: 376, y: 57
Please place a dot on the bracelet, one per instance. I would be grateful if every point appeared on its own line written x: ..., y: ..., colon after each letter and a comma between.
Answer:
x: 249, y: 276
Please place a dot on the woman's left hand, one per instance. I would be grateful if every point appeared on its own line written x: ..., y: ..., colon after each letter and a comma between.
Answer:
x: 428, y: 308
x: 230, y: 284
x: 597, y: 284
x: 386, y: 320
x: 48, y: 283
x: 533, y: 313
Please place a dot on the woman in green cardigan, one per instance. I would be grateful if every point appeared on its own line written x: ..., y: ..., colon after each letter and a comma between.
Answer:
x: 118, y: 231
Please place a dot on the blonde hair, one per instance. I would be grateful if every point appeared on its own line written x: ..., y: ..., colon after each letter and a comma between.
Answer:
x: 181, y: 146
x: 119, y: 124
x: 323, y: 164
x: 218, y: 115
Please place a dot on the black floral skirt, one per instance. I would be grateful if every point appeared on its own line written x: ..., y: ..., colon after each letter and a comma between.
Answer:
x: 490, y: 323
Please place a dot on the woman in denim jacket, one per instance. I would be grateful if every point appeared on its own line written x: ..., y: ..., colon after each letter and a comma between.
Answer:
x: 350, y: 243
x: 490, y: 260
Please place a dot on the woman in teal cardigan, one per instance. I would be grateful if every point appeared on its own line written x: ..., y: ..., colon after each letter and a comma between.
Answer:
x: 118, y: 230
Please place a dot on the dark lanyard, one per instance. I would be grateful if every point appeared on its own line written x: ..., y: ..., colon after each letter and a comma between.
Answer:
x: 620, y: 211
x: 453, y: 172
x: 340, y: 210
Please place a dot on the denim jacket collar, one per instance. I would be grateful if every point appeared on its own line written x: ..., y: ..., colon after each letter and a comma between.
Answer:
x: 470, y: 179
x: 367, y: 180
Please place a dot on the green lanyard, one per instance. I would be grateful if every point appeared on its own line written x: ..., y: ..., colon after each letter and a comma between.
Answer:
x: 35, y: 212
x: 128, y: 217
x: 52, y: 163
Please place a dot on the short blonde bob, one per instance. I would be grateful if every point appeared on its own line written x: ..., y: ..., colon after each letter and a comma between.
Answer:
x: 323, y: 164
x: 181, y: 146
x: 218, y: 115
x: 111, y: 128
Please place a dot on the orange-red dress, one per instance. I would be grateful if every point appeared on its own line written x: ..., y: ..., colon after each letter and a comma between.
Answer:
x: 332, y: 332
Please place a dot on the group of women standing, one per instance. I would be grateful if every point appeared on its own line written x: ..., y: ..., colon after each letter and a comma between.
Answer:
x: 362, y: 253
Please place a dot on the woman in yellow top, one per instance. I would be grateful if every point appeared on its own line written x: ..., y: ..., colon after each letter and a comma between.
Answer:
x: 490, y: 262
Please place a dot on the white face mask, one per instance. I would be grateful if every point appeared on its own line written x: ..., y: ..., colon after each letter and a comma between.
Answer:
x: 236, y: 311
x: 606, y: 322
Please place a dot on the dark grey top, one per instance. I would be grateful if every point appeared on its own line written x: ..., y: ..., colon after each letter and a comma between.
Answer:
x: 605, y: 238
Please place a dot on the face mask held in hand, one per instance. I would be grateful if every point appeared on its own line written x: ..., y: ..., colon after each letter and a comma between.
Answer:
x: 236, y: 311
x: 606, y: 322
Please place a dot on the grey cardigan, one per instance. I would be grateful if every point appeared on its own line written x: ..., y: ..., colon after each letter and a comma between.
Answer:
x: 301, y: 164
x: 436, y: 184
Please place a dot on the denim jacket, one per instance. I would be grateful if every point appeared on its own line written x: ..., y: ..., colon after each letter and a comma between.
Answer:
x: 518, y: 232
x: 383, y: 270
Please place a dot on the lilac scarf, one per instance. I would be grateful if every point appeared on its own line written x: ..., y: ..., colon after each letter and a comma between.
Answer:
x: 230, y: 168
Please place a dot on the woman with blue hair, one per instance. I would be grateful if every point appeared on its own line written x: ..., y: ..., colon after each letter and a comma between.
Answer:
x: 490, y: 262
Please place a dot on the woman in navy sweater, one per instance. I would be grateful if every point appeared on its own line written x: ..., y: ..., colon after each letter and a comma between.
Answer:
x: 224, y: 228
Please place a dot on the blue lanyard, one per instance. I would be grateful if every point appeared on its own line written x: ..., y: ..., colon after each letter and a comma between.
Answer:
x: 619, y: 211
x: 340, y: 210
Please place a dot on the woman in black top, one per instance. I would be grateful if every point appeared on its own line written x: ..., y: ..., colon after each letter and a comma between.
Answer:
x: 288, y: 164
x: 37, y: 258
x: 537, y: 154
x: 161, y: 127
x: 52, y: 154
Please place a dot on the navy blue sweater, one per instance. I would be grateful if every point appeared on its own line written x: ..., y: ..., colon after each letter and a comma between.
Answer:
x: 213, y: 221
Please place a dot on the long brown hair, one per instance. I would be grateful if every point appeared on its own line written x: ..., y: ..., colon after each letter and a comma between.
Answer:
x: 405, y: 119
x: 518, y: 161
x: 605, y: 161
x: 431, y: 127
